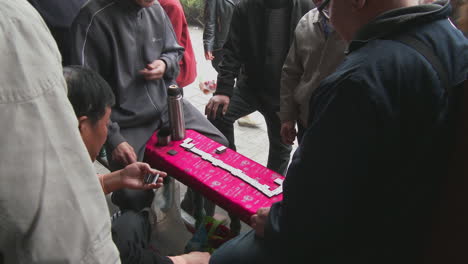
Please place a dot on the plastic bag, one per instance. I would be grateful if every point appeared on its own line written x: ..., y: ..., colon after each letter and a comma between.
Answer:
x: 169, y: 234
x: 209, y: 236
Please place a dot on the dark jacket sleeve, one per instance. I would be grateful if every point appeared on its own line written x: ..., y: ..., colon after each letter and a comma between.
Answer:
x: 172, y: 52
x: 210, y: 25
x: 89, y: 49
x: 326, y: 174
x: 232, y: 60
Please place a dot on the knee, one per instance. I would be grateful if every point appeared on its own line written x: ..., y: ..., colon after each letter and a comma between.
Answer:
x: 135, y: 200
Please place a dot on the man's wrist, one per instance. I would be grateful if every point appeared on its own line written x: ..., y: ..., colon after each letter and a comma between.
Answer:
x: 165, y: 62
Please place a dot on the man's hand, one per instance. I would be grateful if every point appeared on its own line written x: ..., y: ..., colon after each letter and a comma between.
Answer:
x: 154, y: 70
x: 132, y: 176
x: 288, y: 132
x: 192, y: 258
x: 209, y: 55
x: 124, y: 153
x: 212, y: 106
x: 259, y: 219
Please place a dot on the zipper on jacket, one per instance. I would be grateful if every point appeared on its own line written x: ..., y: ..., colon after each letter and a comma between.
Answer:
x: 140, y: 45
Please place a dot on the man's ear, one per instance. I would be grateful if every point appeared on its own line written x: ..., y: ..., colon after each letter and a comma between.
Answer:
x: 83, y: 122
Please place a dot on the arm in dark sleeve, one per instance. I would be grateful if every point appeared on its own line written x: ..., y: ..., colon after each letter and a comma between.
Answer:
x: 172, y: 52
x: 232, y: 59
x: 328, y: 173
x: 210, y: 25
x: 290, y: 78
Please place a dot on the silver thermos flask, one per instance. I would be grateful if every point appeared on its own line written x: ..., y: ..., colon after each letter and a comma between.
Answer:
x: 176, y: 112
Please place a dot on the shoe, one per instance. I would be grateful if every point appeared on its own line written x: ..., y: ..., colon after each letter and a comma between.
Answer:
x: 247, y: 121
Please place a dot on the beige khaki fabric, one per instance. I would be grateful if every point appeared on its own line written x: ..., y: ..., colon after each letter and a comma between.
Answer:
x: 311, y: 58
x: 52, y: 209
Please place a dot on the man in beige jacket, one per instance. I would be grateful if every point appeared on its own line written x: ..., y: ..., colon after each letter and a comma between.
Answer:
x: 52, y: 207
x: 315, y: 53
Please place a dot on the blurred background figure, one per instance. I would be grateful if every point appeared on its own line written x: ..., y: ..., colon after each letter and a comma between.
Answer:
x: 314, y: 54
x: 188, y: 64
x: 218, y: 14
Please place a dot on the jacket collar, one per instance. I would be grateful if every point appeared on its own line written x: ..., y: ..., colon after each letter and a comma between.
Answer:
x: 398, y: 20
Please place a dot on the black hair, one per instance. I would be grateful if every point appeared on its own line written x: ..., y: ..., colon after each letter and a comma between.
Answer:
x: 88, y: 92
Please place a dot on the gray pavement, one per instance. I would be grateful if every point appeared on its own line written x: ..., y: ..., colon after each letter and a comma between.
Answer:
x: 251, y: 142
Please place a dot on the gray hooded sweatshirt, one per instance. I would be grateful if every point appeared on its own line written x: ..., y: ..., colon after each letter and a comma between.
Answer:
x: 118, y: 38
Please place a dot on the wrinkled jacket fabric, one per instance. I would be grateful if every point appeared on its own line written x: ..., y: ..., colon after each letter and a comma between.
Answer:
x: 52, y: 206
x: 312, y: 57
x: 217, y: 21
x: 364, y: 182
x: 118, y: 38
x: 244, y: 52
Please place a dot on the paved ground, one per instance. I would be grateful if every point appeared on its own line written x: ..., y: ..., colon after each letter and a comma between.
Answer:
x: 251, y: 142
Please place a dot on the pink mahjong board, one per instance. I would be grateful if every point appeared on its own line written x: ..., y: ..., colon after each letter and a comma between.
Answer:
x: 221, y: 178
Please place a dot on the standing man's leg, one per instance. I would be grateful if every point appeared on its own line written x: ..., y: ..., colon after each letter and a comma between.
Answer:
x: 279, y: 153
x: 239, y: 106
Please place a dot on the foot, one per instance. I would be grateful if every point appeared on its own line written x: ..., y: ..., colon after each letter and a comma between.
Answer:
x: 248, y: 121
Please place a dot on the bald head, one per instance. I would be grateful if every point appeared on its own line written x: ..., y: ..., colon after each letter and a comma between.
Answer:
x: 348, y: 16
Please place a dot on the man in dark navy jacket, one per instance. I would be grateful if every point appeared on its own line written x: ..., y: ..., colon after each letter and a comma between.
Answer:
x: 364, y: 182
x: 59, y: 15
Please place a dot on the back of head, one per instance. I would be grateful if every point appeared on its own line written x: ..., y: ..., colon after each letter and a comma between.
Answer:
x: 88, y: 92
x: 348, y: 16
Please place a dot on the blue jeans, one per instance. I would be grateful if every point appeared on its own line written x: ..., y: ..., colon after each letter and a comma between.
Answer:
x: 242, y: 104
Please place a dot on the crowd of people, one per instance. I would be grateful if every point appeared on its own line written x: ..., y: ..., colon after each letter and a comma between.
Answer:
x: 371, y: 90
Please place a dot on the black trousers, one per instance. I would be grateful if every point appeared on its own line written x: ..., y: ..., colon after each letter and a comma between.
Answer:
x: 131, y: 232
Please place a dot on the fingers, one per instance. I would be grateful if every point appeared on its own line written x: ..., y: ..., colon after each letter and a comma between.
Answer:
x: 214, y: 110
x: 254, y: 220
x: 208, y: 108
x: 212, y: 107
x: 257, y: 224
x: 263, y: 211
x: 154, y: 70
x: 210, y: 111
x: 152, y: 74
x: 157, y: 185
x: 288, y: 135
x: 161, y: 173
x: 225, y: 108
x: 130, y: 156
x: 209, y: 55
x: 144, y: 167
